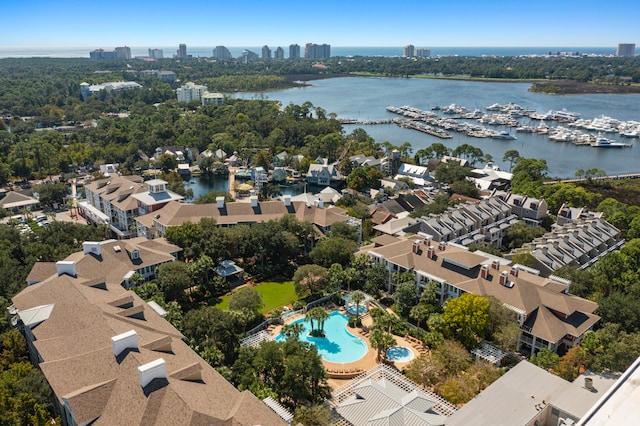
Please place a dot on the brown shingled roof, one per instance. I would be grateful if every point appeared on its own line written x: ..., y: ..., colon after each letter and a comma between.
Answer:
x: 74, y: 343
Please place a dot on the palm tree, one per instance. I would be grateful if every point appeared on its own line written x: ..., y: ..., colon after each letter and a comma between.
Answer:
x: 381, y: 340
x: 319, y: 315
x: 310, y: 317
x: 357, y: 297
x: 292, y: 331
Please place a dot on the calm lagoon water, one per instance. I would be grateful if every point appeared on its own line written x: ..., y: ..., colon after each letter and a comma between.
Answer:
x: 366, y: 98
x: 339, y: 346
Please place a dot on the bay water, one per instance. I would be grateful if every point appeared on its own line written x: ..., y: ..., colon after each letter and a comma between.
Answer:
x: 366, y: 98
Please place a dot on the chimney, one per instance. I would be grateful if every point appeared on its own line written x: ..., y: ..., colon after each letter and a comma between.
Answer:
x: 416, y: 247
x: 287, y: 200
x: 495, y: 265
x: 427, y: 241
x: 220, y: 202
x: 254, y: 201
x: 91, y: 247
x: 442, y: 245
x: 319, y: 203
x: 484, y: 272
x: 66, y: 267
x: 431, y: 252
x: 515, y: 270
x: 588, y: 384
x: 504, y: 278
x: 128, y: 340
x: 153, y: 370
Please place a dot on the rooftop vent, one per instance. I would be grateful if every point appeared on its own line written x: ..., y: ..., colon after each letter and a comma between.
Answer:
x: 220, y: 202
x: 66, y: 267
x: 117, y: 249
x: 128, y: 340
x: 153, y: 370
x: 91, y: 247
x: 287, y: 200
x: 254, y: 201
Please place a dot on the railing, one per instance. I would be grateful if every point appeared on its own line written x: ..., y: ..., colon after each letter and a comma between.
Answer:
x: 318, y: 302
x: 288, y: 314
x: 263, y: 325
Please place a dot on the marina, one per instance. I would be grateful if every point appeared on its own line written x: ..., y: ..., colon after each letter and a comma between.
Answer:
x: 366, y: 99
x: 583, y: 132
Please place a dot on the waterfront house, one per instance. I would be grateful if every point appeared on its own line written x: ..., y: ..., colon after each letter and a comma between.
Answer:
x: 529, y: 209
x: 322, y: 174
x: 548, y: 315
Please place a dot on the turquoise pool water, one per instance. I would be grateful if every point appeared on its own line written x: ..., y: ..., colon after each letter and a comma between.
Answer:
x: 362, y: 309
x: 400, y: 354
x: 339, y: 346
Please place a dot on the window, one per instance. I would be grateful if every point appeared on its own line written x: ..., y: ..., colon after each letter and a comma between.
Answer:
x: 135, y: 254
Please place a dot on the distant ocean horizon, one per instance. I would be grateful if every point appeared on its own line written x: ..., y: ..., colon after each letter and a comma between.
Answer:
x: 204, y: 51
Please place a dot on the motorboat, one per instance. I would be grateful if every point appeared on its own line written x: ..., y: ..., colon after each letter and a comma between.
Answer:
x: 503, y: 135
x: 608, y: 143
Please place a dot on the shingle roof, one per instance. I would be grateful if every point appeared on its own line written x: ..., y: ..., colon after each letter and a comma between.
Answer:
x: 74, y: 343
x: 551, y: 313
x: 175, y: 214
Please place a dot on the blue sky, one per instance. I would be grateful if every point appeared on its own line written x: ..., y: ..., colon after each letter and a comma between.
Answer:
x: 425, y: 23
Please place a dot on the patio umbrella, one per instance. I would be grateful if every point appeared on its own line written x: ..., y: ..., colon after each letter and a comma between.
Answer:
x: 244, y: 187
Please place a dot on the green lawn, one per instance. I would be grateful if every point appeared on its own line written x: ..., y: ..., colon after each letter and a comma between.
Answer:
x: 274, y: 295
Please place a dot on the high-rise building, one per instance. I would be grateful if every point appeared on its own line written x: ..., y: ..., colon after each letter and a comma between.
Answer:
x: 102, y: 54
x: 423, y: 53
x: 294, y: 51
x: 409, y: 51
x: 156, y: 53
x: 317, y: 51
x: 626, y: 49
x: 279, y: 54
x: 182, y: 52
x: 221, y: 52
x: 266, y: 52
x: 190, y: 92
x: 248, y: 56
x: 123, y: 52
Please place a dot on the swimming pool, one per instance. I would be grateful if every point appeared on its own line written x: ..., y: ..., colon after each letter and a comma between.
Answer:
x: 339, y: 345
x: 400, y: 354
x: 362, y: 309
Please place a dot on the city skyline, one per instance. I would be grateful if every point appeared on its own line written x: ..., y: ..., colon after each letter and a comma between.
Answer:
x: 281, y: 23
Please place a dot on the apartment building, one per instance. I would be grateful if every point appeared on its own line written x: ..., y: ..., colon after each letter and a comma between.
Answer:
x: 580, y: 243
x: 231, y: 214
x: 548, y: 315
x: 111, y: 358
x: 115, y: 201
x: 191, y: 92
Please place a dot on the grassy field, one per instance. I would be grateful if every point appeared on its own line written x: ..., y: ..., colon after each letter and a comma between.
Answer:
x: 274, y: 295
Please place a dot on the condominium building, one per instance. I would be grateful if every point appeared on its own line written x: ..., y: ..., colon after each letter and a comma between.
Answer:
x: 221, y: 52
x: 182, y: 52
x: 317, y: 51
x: 294, y: 51
x: 102, y: 54
x: 115, y: 201
x: 156, y: 53
x: 266, y: 52
x: 87, y: 89
x: 231, y: 214
x: 212, y: 98
x: 123, y: 52
x: 409, y: 51
x: 548, y: 315
x: 626, y: 49
x: 423, y: 53
x: 191, y: 92
x: 248, y: 56
x: 279, y: 53
x: 110, y: 357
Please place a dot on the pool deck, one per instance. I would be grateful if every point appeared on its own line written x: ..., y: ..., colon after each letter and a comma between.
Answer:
x: 353, y: 369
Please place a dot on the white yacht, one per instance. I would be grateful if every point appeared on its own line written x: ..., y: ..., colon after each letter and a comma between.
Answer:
x: 503, y: 135
x: 608, y: 143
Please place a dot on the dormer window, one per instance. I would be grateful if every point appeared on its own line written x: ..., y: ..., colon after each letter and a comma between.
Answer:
x: 135, y: 254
